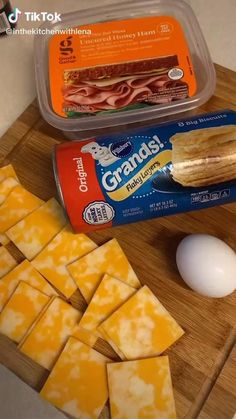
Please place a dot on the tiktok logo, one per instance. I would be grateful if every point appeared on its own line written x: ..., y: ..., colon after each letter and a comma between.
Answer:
x: 14, y: 16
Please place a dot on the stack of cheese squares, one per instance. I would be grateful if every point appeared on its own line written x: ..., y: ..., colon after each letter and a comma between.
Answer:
x: 35, y: 312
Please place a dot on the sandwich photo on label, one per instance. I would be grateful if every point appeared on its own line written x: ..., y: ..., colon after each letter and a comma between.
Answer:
x: 122, y: 86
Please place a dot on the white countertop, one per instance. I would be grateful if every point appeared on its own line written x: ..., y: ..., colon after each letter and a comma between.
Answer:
x: 217, y: 19
x: 19, y: 401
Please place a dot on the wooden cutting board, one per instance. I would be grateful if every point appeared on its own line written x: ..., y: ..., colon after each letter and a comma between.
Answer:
x: 198, y: 358
x: 223, y: 393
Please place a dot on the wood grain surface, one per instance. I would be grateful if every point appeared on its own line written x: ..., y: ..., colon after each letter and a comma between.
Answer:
x: 223, y: 393
x: 198, y: 358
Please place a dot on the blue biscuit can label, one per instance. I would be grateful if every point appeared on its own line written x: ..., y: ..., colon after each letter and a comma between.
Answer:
x: 151, y: 172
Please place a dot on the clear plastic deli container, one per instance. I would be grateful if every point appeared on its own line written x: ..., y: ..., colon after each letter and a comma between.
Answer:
x: 110, y: 66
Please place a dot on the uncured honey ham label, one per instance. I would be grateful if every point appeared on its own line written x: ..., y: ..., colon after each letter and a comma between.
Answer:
x: 120, y: 65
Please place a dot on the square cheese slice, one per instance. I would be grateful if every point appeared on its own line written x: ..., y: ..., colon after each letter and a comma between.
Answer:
x: 6, y: 187
x: 110, y: 294
x: 141, y: 327
x: 65, y: 248
x: 37, y: 229
x: 109, y: 258
x: 23, y: 272
x: 78, y: 382
x: 21, y: 311
x: 4, y: 240
x: 16, y: 206
x: 48, y: 336
x: 7, y: 171
x: 7, y: 261
x: 141, y: 389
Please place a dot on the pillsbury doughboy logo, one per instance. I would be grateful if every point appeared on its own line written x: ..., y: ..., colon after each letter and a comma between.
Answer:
x: 102, y: 154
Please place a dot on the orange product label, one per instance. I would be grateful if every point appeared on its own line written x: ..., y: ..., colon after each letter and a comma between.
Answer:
x: 120, y: 65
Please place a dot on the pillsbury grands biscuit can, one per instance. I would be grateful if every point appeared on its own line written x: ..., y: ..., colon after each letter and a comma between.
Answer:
x: 159, y: 170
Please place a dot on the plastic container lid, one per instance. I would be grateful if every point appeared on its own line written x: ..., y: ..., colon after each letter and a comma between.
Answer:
x: 132, y: 49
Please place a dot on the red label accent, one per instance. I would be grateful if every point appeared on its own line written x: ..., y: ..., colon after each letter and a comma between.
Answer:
x: 79, y: 183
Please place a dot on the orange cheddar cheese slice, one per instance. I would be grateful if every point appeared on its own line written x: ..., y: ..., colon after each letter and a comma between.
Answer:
x: 4, y: 240
x: 141, y: 389
x: 110, y: 294
x: 38, y: 228
x: 48, y: 336
x: 78, y: 382
x: 109, y: 258
x: 7, y: 171
x: 21, y: 311
x: 16, y: 206
x: 6, y: 187
x: 23, y: 272
x: 65, y: 248
x: 141, y: 327
x: 7, y: 262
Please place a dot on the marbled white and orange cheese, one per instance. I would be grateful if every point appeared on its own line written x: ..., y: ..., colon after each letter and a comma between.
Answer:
x: 23, y: 272
x: 109, y: 258
x: 47, y: 338
x: 84, y: 335
x: 141, y: 389
x: 141, y: 327
x: 6, y: 186
x: 7, y: 171
x: 18, y: 204
x: 23, y: 308
x: 65, y: 248
x: 78, y: 381
x: 7, y: 262
x: 4, y: 240
x: 110, y: 294
x: 37, y: 229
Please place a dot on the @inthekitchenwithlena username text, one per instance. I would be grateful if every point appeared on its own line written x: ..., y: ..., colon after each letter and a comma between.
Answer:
x: 47, y: 31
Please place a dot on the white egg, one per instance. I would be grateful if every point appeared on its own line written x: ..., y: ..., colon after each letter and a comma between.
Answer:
x: 207, y: 265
